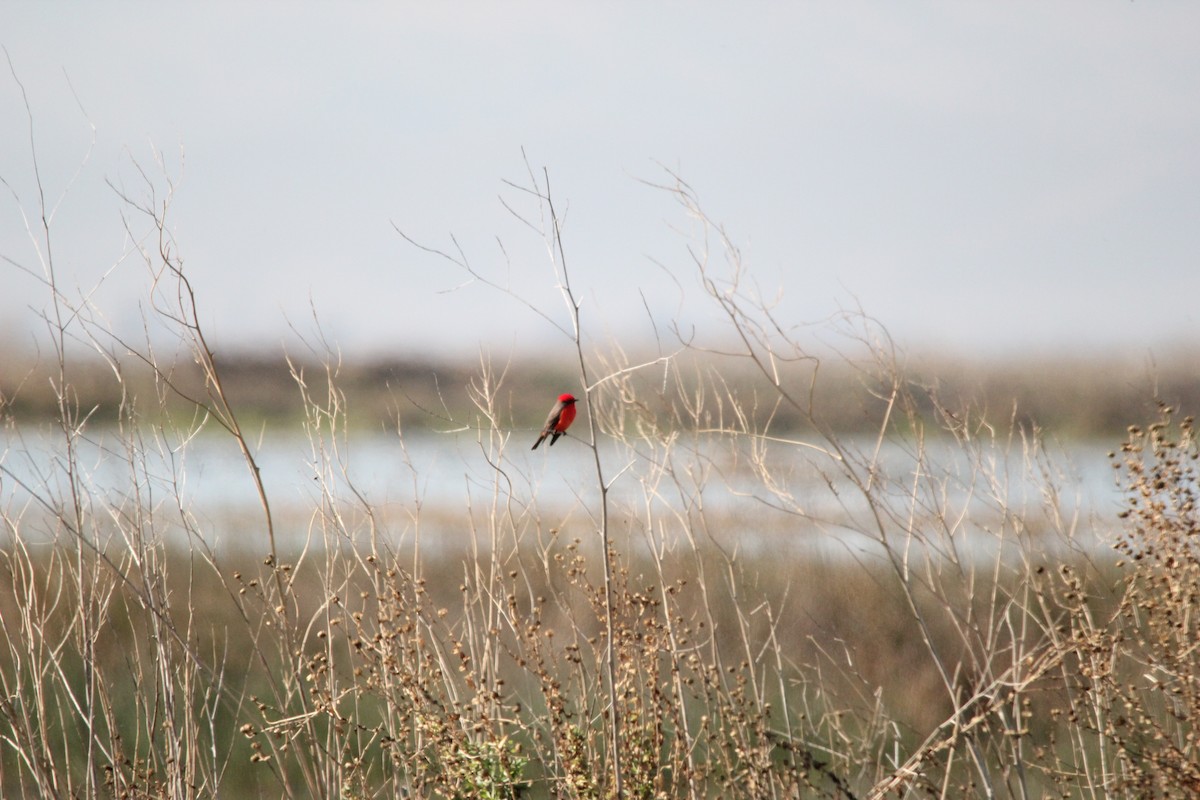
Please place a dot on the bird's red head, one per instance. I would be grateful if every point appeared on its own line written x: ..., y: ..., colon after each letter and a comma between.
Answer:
x: 566, y: 398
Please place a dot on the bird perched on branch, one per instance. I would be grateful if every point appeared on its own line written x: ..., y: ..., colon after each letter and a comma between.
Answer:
x: 561, y: 417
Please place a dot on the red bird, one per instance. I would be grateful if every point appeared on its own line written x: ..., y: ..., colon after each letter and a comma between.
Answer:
x: 561, y: 417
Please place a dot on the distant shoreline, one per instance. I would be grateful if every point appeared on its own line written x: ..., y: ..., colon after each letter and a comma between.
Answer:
x: 1087, y: 397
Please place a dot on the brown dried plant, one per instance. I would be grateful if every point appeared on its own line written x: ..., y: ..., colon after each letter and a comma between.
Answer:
x: 737, y: 601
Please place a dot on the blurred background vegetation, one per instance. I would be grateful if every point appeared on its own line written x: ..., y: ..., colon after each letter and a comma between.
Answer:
x: 1081, y: 396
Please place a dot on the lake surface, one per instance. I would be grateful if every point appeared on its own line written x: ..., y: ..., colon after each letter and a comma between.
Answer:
x: 453, y: 476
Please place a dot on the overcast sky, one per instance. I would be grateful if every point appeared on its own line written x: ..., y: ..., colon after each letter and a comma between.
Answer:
x: 989, y: 177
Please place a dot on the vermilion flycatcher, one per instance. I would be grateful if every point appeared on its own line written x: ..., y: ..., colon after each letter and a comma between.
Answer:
x: 561, y: 417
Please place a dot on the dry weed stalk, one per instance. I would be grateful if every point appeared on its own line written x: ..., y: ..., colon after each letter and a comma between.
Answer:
x: 670, y: 630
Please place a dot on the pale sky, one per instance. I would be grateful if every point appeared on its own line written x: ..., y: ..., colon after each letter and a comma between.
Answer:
x: 989, y: 177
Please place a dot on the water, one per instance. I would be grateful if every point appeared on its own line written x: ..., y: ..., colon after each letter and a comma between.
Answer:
x: 447, y: 478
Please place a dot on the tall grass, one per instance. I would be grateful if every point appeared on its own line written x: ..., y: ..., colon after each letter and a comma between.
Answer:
x: 732, y: 605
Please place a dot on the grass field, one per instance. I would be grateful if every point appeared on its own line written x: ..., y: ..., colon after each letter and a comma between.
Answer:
x: 940, y: 641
